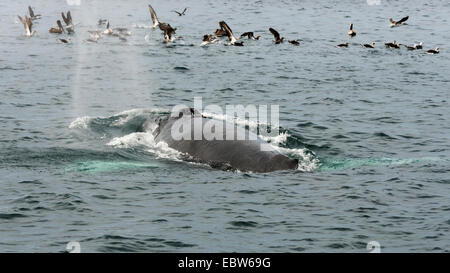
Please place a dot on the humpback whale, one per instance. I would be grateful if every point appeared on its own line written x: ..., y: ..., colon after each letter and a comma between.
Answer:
x: 215, y: 149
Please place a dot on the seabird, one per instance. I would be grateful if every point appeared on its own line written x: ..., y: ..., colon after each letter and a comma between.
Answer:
x: 343, y: 45
x: 392, y: 45
x: 294, y: 42
x: 180, y: 13
x: 419, y: 45
x: 371, y: 45
x: 65, y: 41
x: 57, y: 30
x: 27, y: 25
x: 208, y: 39
x: 168, y: 32
x: 250, y: 35
x: 108, y: 30
x: 400, y: 22
x: 233, y: 40
x: 351, y: 32
x: 68, y: 20
x: 433, y: 51
x: 32, y: 15
x: 122, y: 31
x: 276, y: 36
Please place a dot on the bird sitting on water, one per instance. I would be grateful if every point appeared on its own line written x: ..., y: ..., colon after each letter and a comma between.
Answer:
x: 276, y: 36
x: 371, y: 45
x: 28, y: 25
x: 294, y: 42
x: 57, y: 30
x: 250, y: 35
x: 433, y: 51
x: 208, y: 39
x: 231, y: 37
x: 399, y: 22
x: 108, y: 30
x: 351, y: 32
x: 392, y: 45
x: 343, y: 45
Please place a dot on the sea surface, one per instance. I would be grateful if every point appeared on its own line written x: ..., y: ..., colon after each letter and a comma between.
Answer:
x: 369, y: 126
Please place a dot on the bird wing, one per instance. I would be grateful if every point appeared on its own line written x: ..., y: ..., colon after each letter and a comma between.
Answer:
x: 227, y: 29
x: 69, y: 17
x: 58, y: 22
x: 65, y: 18
x: 351, y: 26
x: 403, y: 20
x: 155, y: 19
x: 21, y: 20
x: 275, y: 33
x: 184, y: 10
x: 30, y: 10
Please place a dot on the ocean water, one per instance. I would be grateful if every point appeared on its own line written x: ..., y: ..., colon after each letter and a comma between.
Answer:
x: 370, y: 128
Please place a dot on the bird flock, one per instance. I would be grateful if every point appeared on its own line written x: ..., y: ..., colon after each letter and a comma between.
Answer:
x: 169, y: 32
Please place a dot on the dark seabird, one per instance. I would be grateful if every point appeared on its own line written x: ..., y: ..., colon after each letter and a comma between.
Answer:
x: 392, y: 45
x: 250, y: 35
x: 419, y: 45
x: 208, y: 39
x: 233, y: 40
x: 351, y: 32
x: 343, y: 45
x: 27, y: 24
x: 294, y: 42
x: 57, y: 30
x: 371, y: 45
x: 65, y: 41
x: 168, y: 32
x: 32, y: 15
x: 276, y: 36
x: 180, y: 13
x: 68, y: 20
x: 433, y: 51
x: 400, y: 22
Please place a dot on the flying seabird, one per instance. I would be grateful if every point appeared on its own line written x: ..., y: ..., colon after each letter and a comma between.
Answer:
x: 32, y: 15
x: 65, y: 41
x: 433, y: 51
x: 68, y: 20
x: 400, y: 22
x: 233, y: 40
x: 27, y: 25
x: 250, y: 35
x: 180, y: 13
x: 392, y: 45
x: 57, y: 30
x: 371, y: 45
x: 208, y: 39
x: 294, y: 42
x: 351, y: 32
x: 343, y: 45
x: 276, y: 36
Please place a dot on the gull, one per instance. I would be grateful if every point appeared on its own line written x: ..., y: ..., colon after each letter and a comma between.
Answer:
x: 399, y: 22
x: 276, y: 36
x: 180, y: 13
x: 233, y: 40
x: 27, y: 25
x: 351, y: 32
x: 32, y: 15
x: 57, y: 30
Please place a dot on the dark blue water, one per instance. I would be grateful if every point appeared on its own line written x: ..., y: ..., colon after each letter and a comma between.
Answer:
x: 370, y: 127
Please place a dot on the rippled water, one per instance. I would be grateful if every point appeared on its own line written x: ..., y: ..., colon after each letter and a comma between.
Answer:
x: 371, y: 129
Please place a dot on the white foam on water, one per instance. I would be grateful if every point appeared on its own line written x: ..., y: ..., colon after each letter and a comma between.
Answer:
x: 81, y: 123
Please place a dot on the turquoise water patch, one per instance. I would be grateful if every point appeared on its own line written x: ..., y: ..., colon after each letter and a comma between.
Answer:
x: 98, y: 166
x: 344, y: 164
